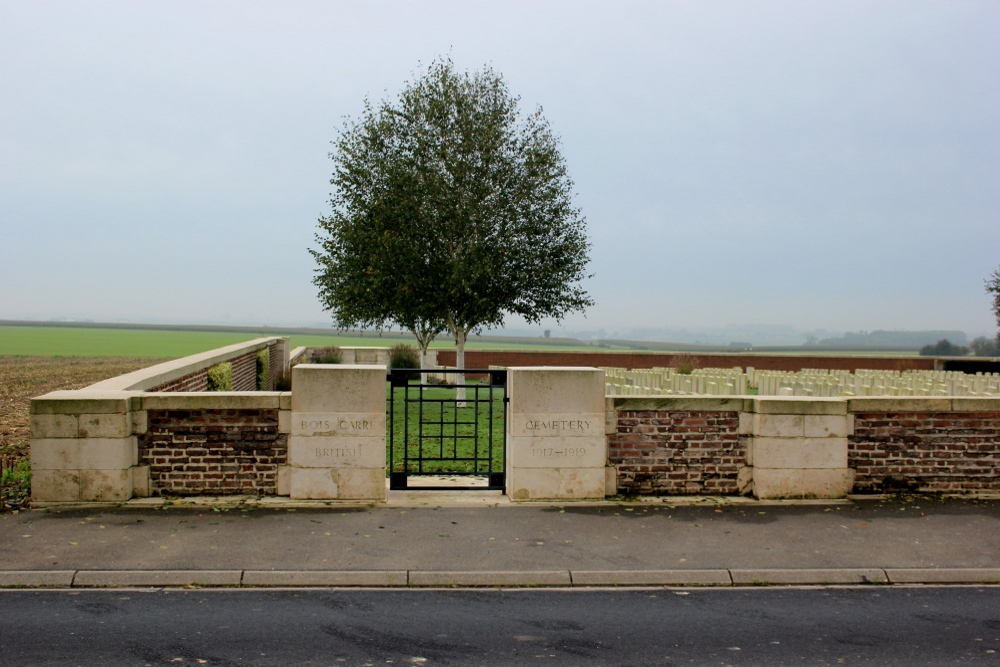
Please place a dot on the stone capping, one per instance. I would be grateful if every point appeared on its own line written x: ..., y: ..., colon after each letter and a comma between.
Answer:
x: 804, y: 405
x: 297, y: 355
x: 154, y: 376
x: 213, y: 400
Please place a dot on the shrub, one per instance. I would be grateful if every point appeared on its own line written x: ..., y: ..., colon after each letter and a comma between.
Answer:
x: 326, y: 355
x: 263, y: 369
x: 685, y: 363
x: 283, y: 382
x: 403, y: 356
x: 220, y: 377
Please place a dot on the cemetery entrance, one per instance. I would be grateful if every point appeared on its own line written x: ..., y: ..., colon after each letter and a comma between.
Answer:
x: 438, y: 438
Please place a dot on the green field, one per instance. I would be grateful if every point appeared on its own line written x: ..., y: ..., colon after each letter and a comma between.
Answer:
x: 170, y: 344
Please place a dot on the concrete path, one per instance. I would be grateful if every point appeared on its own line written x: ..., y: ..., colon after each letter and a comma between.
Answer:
x: 457, y: 539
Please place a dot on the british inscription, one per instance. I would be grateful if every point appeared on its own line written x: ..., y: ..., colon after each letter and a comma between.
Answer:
x: 338, y: 452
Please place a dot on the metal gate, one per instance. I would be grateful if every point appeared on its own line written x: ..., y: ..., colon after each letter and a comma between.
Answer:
x: 432, y: 432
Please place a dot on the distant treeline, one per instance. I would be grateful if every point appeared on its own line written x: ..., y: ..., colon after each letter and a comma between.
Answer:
x: 894, y: 338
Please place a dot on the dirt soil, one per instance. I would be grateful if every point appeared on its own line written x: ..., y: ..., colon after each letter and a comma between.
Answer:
x: 23, y: 378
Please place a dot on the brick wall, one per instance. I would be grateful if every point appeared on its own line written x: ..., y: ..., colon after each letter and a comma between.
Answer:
x: 941, y: 451
x: 197, y: 381
x: 245, y: 372
x: 275, y: 366
x: 677, y: 452
x: 487, y: 358
x: 213, y: 452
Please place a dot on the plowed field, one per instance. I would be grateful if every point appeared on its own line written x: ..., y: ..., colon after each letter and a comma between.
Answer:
x: 25, y: 377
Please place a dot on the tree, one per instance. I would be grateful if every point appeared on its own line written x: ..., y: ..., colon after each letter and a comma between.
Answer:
x: 944, y: 348
x: 985, y: 347
x: 450, y: 211
x: 993, y: 289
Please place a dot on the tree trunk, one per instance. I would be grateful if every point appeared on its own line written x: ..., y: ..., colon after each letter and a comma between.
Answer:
x: 423, y: 361
x: 460, y: 335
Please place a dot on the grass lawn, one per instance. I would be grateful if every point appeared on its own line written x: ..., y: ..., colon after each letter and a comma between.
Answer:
x: 450, y: 439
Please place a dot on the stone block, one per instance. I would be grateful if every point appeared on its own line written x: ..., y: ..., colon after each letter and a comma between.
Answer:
x: 361, y: 483
x: 336, y: 452
x: 312, y: 484
x: 339, y: 424
x: 490, y: 578
x: 532, y: 483
x: 141, y: 482
x: 744, y: 480
x: 106, y: 485
x: 802, y: 483
x: 679, y: 403
x: 826, y: 426
x: 108, y: 453
x: 284, y: 421
x: 284, y: 481
x: 558, y: 452
x: 285, y: 400
x: 975, y: 404
x: 54, y: 486
x: 55, y: 454
x: 610, y: 422
x: 898, y: 404
x: 800, y: 405
x: 105, y: 426
x: 779, y: 426
x: 559, y: 425
x: 81, y: 401
x: 557, y: 483
x: 551, y: 390
x: 54, y: 426
x: 610, y: 481
x: 338, y: 388
x: 746, y: 423
x: 211, y: 400
x: 140, y: 422
x: 799, y: 452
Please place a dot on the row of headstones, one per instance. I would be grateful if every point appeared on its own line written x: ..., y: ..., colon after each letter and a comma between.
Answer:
x: 668, y: 381
x: 807, y: 382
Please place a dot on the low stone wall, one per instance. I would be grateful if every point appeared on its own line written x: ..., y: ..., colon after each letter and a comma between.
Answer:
x: 803, y: 447
x: 85, y: 444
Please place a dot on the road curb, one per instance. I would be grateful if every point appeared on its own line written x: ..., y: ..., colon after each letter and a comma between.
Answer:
x: 323, y: 578
x: 951, y: 575
x: 491, y: 578
x: 146, y: 578
x: 651, y: 578
x: 20, y: 579
x: 811, y: 576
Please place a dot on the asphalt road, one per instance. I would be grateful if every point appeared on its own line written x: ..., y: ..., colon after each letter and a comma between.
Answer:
x: 624, y: 628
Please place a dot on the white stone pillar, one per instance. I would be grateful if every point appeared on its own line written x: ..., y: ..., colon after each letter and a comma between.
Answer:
x: 336, y: 449
x: 798, y: 448
x: 556, y: 445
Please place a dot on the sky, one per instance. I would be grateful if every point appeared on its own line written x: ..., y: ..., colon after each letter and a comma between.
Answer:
x: 820, y: 165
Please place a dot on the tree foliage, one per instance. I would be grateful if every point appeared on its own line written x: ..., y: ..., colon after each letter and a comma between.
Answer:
x: 944, y: 348
x: 993, y: 289
x: 450, y: 211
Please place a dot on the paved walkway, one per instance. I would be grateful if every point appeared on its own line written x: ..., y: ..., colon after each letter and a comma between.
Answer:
x: 457, y: 539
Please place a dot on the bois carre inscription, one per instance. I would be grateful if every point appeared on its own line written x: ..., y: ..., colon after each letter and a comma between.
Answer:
x: 337, y: 440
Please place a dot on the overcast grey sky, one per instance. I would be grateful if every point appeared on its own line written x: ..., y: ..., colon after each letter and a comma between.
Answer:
x: 817, y: 164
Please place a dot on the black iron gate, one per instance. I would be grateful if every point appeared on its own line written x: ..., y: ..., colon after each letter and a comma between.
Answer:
x: 432, y: 431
